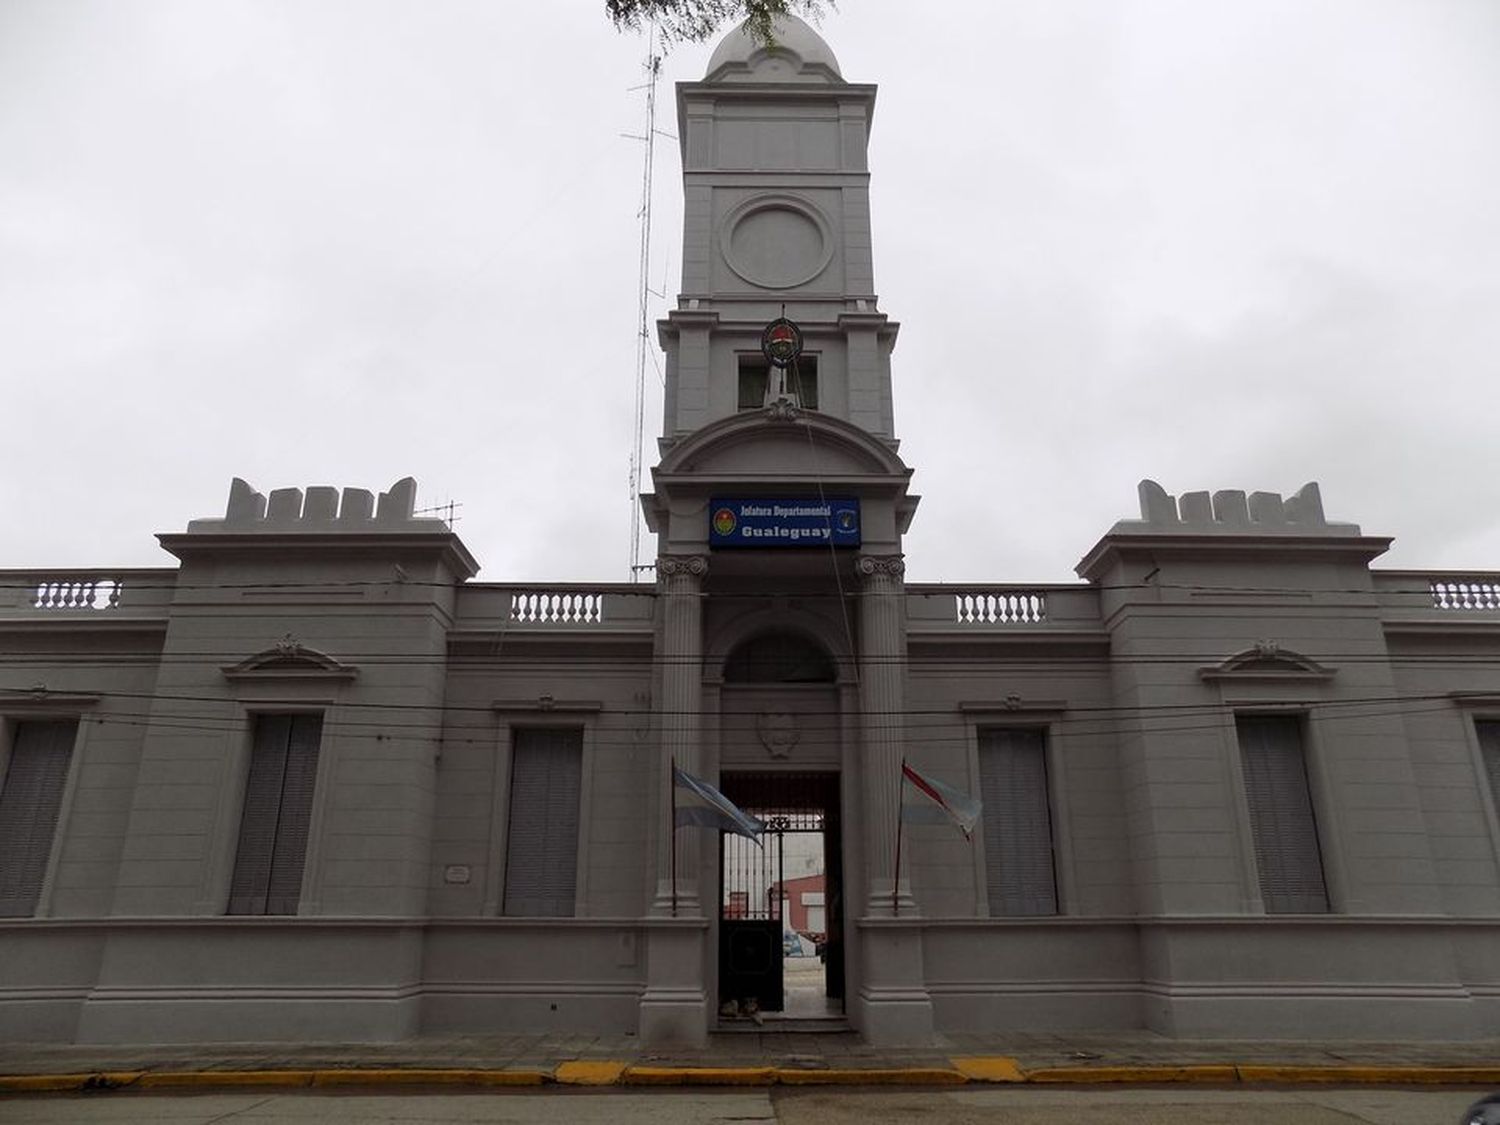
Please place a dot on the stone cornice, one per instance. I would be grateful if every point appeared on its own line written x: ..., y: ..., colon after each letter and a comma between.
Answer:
x: 186, y: 545
x: 1012, y: 706
x: 1356, y: 548
x: 547, y: 705
x: 42, y: 699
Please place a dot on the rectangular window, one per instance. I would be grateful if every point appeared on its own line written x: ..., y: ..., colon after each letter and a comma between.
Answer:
x: 1285, y: 831
x: 754, y: 378
x: 1017, y: 822
x: 1489, y: 747
x: 278, y: 813
x: 758, y: 382
x: 30, y: 800
x: 541, y: 853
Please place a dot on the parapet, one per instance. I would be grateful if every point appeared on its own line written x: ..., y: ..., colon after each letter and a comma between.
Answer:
x: 1231, y: 512
x: 320, y: 508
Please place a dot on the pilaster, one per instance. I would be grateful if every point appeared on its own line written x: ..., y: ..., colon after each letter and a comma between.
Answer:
x: 681, y: 578
x: 894, y: 1005
x: 674, y: 1006
x: 882, y: 699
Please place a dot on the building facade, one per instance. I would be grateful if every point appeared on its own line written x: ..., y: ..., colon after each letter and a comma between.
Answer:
x: 313, y: 782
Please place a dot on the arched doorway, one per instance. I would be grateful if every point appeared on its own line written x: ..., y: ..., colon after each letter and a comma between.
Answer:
x: 781, y: 949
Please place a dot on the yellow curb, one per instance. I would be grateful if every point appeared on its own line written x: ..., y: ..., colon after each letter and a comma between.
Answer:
x: 419, y: 1076
x: 589, y: 1072
x: 699, y: 1076
x: 1091, y: 1075
x: 47, y: 1083
x: 1374, y: 1075
x: 989, y: 1068
x: 904, y: 1076
x: 175, y: 1079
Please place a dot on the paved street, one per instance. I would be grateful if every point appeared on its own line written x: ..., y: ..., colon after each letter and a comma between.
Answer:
x: 1116, y: 1106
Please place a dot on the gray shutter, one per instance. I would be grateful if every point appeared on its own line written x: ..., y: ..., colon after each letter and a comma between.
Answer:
x: 278, y: 808
x: 541, y: 854
x: 284, y: 888
x: 29, y: 803
x: 1281, y: 815
x: 1489, y: 748
x: 1017, y: 822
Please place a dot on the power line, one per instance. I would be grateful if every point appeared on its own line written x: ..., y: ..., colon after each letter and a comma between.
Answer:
x: 439, y: 656
x: 48, y: 577
x: 951, y: 713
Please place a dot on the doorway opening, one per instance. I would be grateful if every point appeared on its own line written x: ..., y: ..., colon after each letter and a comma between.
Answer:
x: 781, y: 947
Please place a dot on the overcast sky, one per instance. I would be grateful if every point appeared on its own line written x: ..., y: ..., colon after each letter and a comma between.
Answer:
x: 1220, y: 244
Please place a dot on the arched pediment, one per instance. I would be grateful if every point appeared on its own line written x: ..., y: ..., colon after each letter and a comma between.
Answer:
x: 289, y: 659
x: 785, y: 442
x: 1266, y: 660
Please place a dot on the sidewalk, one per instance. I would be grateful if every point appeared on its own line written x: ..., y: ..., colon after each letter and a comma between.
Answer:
x: 764, y: 1057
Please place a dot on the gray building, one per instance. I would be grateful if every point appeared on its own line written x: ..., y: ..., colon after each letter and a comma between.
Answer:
x: 314, y: 782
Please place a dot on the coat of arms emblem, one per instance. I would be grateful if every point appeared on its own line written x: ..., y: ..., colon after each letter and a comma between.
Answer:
x: 778, y: 733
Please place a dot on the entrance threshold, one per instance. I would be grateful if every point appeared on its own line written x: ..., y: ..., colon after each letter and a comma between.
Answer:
x: 784, y: 1024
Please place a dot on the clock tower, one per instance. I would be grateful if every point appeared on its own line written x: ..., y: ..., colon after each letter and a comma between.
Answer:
x: 779, y: 506
x: 777, y: 222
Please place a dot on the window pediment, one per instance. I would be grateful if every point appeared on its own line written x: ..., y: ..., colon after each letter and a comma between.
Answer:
x: 1266, y: 660
x: 290, y: 659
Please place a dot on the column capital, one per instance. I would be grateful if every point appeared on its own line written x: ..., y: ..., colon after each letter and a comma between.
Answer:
x: 872, y: 566
x: 670, y: 566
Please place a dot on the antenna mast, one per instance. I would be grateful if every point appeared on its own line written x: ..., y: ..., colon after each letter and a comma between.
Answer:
x: 643, y: 326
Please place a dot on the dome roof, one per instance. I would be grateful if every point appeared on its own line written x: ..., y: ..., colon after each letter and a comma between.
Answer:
x: 748, y: 60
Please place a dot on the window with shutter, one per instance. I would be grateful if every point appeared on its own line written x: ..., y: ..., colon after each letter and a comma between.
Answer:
x: 30, y: 799
x: 1017, y: 822
x: 1282, y: 823
x: 1489, y: 747
x: 268, y: 863
x: 541, y: 854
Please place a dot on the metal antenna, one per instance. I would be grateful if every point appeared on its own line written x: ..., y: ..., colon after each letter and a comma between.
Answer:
x: 447, y: 511
x: 643, y: 333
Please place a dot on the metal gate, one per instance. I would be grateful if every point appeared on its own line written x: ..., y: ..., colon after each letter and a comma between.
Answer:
x: 752, y: 921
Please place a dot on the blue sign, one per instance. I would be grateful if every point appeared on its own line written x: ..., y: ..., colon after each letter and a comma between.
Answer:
x: 813, y: 522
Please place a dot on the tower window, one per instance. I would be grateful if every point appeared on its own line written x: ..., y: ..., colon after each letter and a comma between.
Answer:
x: 758, y: 381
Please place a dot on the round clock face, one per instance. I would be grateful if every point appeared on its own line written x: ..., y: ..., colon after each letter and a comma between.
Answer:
x: 781, y: 342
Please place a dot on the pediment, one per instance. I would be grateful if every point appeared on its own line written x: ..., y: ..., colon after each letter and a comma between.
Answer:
x: 289, y: 659
x: 783, y: 443
x: 1266, y: 660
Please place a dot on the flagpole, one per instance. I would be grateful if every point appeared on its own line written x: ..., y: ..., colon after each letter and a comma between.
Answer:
x: 672, y: 837
x: 896, y: 879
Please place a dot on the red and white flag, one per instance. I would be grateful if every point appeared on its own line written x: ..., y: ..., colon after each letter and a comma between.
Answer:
x: 952, y: 806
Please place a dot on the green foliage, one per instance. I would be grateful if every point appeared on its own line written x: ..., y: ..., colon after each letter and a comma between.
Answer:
x: 695, y: 20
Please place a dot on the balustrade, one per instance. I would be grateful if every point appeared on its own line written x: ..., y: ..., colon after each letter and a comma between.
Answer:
x: 1466, y: 593
x: 81, y: 593
x: 546, y: 607
x: 1000, y: 607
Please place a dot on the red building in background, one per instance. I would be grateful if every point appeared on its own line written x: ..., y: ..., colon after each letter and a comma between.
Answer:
x: 806, y: 907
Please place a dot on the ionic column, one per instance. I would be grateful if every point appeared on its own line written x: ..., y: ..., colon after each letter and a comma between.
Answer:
x: 681, y: 578
x: 882, y: 698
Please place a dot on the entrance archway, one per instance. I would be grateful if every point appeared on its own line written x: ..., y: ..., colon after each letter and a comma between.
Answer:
x: 781, y: 948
